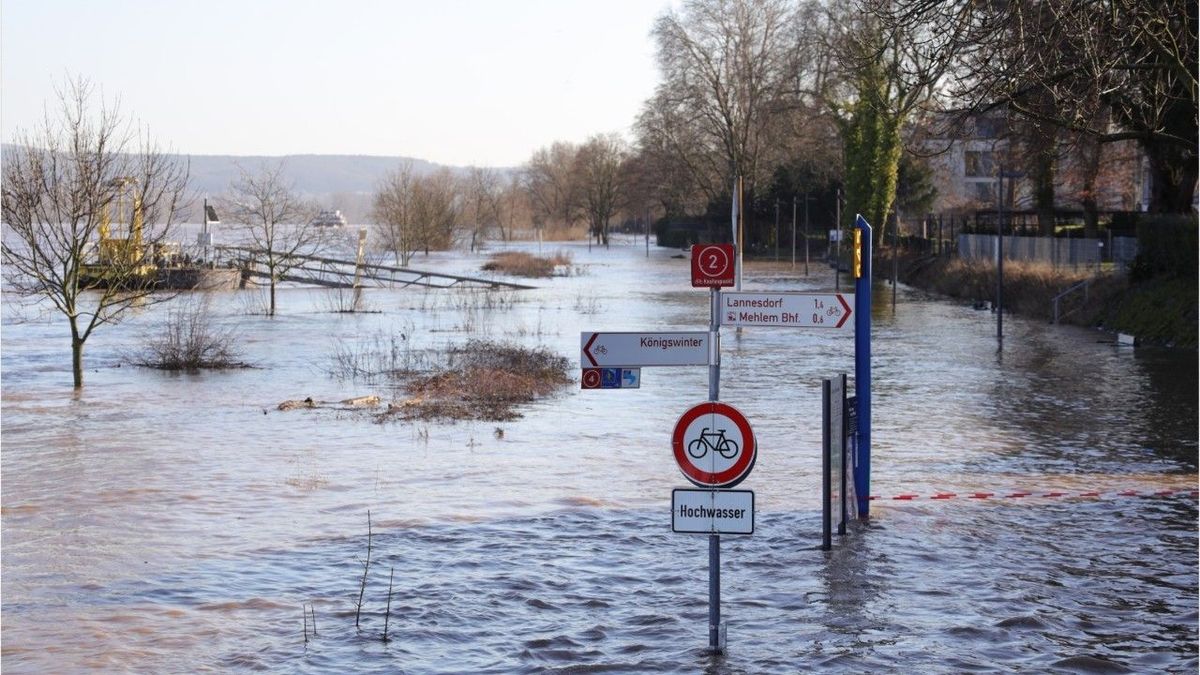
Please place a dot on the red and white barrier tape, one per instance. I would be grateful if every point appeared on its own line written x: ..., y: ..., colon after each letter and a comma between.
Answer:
x: 908, y: 497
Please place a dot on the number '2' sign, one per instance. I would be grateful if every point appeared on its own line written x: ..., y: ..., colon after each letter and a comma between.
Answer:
x: 712, y: 265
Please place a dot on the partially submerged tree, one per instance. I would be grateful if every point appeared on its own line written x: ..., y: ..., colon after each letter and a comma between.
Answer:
x: 395, y: 213
x: 549, y: 182
x: 416, y: 212
x: 438, y: 209
x: 62, y: 184
x: 275, y: 222
x: 483, y: 197
x: 597, y: 172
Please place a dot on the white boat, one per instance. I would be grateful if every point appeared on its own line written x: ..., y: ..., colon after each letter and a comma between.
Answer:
x: 329, y: 219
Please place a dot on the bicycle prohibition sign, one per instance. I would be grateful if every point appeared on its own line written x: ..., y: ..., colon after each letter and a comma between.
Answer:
x: 715, y: 442
x: 714, y: 445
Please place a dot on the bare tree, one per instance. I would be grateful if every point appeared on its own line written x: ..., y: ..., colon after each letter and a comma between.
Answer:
x: 599, y: 182
x: 549, y: 179
x: 513, y: 207
x: 61, y: 185
x: 438, y: 205
x: 727, y: 71
x: 482, y: 196
x: 417, y: 212
x: 395, y: 213
x: 275, y: 222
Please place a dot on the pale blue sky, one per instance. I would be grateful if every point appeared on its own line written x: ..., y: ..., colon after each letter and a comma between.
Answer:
x: 451, y: 81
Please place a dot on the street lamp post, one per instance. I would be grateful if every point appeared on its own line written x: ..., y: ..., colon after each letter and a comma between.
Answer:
x: 776, y: 230
x: 806, y: 234
x: 1000, y: 227
x: 794, y: 234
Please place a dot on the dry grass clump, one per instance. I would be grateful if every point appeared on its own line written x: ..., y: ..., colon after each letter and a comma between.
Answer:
x: 1029, y: 287
x: 521, y: 264
x: 483, y: 380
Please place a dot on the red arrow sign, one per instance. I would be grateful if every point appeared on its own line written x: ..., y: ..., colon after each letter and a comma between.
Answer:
x: 842, y: 299
x: 587, y: 350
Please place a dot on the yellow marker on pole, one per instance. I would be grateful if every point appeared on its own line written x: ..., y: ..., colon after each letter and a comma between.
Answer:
x: 857, y: 253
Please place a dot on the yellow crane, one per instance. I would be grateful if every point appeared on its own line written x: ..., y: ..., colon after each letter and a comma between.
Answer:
x: 127, y: 251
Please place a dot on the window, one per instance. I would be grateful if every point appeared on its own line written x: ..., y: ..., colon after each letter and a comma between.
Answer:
x: 983, y: 192
x: 978, y: 164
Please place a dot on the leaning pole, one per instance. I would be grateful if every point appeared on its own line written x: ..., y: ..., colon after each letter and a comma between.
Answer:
x: 862, y: 362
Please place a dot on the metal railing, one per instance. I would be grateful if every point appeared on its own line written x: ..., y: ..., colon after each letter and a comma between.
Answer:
x: 1058, y: 298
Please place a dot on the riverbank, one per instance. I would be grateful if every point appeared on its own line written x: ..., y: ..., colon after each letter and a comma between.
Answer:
x: 1159, y: 311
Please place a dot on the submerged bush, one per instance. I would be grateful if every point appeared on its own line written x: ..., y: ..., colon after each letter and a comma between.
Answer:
x: 483, y: 380
x: 187, y: 339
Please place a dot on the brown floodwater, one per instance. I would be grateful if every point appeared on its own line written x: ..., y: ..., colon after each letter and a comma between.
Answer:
x: 173, y: 522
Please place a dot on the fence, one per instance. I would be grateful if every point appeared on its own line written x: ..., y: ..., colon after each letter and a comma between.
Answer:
x: 1057, y: 251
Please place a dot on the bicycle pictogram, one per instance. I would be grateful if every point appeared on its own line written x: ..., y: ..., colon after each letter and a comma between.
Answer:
x: 714, y: 441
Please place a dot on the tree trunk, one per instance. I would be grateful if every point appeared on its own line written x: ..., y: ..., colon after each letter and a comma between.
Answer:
x: 1172, y: 178
x: 76, y: 356
x: 271, y: 311
x: 1091, y: 218
x: 1043, y: 191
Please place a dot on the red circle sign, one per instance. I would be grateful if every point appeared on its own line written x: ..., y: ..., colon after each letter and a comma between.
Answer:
x: 591, y: 378
x: 714, y: 261
x: 714, y: 445
x: 712, y: 265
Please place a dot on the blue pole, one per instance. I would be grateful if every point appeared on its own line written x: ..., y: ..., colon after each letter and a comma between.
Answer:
x: 862, y: 367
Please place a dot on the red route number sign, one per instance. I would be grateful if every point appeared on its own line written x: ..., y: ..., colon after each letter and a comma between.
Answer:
x: 714, y: 445
x: 712, y: 265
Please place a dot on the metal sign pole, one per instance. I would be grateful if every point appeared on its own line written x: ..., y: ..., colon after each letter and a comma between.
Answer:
x: 715, y: 643
x: 826, y: 465
x: 862, y: 365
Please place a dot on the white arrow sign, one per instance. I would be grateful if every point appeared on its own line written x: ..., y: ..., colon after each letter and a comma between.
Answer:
x: 788, y: 310
x: 633, y: 350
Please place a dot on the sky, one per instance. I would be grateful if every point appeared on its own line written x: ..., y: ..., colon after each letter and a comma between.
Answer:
x: 459, y: 82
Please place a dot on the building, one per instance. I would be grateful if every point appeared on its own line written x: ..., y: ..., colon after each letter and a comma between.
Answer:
x: 966, y: 170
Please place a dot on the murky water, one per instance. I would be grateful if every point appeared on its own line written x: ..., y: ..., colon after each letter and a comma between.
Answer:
x: 173, y: 523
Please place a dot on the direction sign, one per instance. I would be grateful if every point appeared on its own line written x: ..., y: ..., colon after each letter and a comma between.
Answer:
x: 712, y: 265
x: 633, y: 350
x: 712, y: 511
x: 714, y: 445
x: 788, y: 310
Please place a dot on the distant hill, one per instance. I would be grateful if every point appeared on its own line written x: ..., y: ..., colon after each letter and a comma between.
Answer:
x: 344, y: 182
x: 312, y: 175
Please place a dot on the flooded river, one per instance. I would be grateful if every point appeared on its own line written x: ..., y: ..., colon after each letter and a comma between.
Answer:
x: 163, y: 522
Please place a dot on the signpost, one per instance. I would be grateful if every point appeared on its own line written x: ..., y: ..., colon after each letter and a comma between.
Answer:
x: 634, y: 350
x: 786, y: 310
x: 712, y: 511
x: 712, y: 442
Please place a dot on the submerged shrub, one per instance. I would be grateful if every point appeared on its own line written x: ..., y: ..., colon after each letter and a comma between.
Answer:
x: 188, y: 339
x: 484, y: 380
